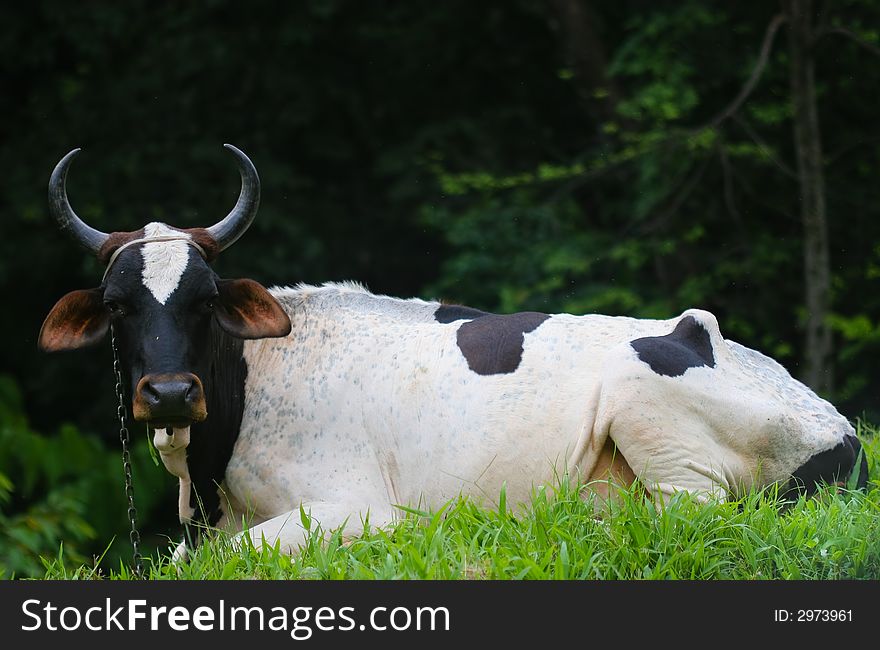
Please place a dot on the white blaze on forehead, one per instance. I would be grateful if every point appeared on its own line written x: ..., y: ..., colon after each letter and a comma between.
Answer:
x: 164, y: 261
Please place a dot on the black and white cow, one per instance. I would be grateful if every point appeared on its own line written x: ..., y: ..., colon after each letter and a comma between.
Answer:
x: 345, y: 402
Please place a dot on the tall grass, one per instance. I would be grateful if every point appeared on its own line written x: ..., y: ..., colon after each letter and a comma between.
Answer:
x: 833, y: 535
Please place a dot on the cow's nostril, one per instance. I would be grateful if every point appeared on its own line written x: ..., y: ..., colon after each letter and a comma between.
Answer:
x: 149, y: 393
x: 193, y: 392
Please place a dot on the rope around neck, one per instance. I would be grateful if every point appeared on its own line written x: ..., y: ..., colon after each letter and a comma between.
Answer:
x: 147, y: 240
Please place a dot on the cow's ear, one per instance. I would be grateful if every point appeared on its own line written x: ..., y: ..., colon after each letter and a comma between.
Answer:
x: 78, y: 320
x: 246, y: 310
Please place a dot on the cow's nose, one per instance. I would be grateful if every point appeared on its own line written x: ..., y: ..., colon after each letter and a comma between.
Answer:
x: 168, y: 395
x: 170, y: 399
x: 831, y: 466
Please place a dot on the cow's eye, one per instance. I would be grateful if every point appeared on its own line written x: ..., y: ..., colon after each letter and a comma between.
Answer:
x: 115, y: 308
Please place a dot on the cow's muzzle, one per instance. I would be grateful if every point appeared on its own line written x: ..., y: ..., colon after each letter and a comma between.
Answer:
x: 170, y: 400
x: 832, y: 466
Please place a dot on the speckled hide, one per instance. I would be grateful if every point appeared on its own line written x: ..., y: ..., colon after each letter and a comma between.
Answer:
x: 373, y: 401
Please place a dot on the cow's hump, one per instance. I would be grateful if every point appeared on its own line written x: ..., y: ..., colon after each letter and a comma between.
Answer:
x: 450, y: 313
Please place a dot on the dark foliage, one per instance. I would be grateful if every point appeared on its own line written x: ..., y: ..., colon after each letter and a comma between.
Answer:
x: 499, y: 154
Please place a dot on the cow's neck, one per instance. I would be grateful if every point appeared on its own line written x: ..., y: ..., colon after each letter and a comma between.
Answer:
x: 212, y: 441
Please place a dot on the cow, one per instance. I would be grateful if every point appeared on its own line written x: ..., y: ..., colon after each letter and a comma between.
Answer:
x: 349, y: 404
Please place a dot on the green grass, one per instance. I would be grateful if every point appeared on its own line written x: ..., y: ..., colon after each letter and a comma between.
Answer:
x: 834, y: 535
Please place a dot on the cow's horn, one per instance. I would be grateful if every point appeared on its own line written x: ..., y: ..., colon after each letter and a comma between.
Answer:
x: 60, y: 208
x: 236, y: 222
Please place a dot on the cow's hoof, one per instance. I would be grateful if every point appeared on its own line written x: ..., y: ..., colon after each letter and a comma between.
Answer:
x: 180, y: 554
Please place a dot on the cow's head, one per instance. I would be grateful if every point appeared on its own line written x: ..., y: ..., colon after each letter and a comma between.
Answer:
x: 692, y: 410
x: 162, y: 300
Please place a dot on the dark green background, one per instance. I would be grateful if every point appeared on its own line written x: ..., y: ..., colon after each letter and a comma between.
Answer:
x: 444, y: 149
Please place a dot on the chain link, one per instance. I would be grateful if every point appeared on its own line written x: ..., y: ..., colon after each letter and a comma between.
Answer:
x: 125, y: 439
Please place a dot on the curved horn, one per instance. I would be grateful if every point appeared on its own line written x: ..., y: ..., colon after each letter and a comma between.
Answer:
x: 60, y: 209
x: 236, y: 222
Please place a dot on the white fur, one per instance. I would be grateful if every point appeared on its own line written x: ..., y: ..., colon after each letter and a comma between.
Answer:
x: 172, y: 451
x: 369, y: 403
x: 164, y: 262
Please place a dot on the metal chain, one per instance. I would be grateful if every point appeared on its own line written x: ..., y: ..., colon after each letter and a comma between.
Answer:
x: 121, y: 413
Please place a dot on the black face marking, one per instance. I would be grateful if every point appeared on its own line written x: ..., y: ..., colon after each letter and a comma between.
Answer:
x: 155, y: 338
x: 687, y: 346
x: 829, y: 466
x: 183, y: 336
x: 212, y: 441
x: 451, y: 313
x: 493, y: 344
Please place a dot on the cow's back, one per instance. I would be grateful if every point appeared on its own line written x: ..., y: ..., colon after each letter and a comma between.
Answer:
x: 376, y: 397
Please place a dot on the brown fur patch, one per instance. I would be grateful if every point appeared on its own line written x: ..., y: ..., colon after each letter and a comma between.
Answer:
x: 141, y: 408
x: 611, y: 471
x: 204, y: 239
x: 78, y: 320
x: 114, y: 241
x: 199, y: 235
x: 246, y: 310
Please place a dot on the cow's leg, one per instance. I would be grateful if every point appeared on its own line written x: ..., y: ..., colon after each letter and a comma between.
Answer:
x: 610, y: 473
x: 180, y: 554
x: 671, y: 427
x: 680, y: 458
x: 287, y: 530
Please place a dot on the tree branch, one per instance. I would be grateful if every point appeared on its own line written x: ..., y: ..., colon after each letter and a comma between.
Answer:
x: 765, y: 148
x: 752, y: 81
x: 871, y: 47
x: 759, y: 197
x: 579, y: 31
x: 833, y: 157
x: 676, y: 136
x: 726, y: 176
x: 682, y: 194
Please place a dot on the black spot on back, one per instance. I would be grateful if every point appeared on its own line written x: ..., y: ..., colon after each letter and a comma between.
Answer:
x: 687, y: 346
x: 493, y: 344
x: 452, y: 313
